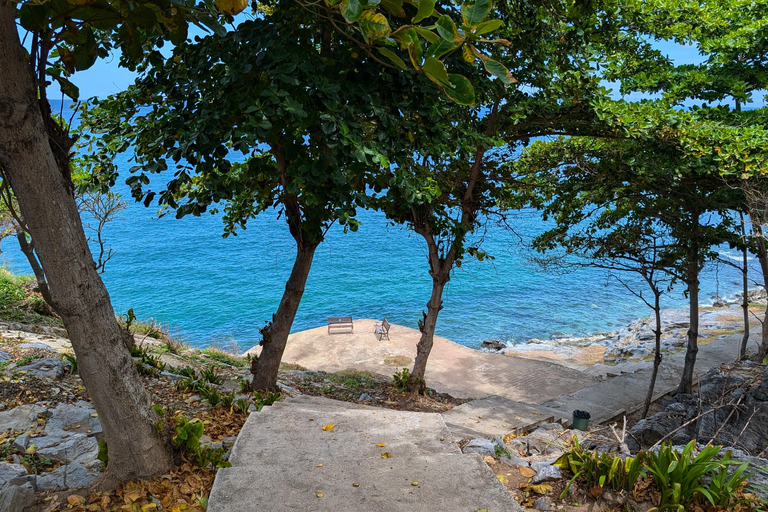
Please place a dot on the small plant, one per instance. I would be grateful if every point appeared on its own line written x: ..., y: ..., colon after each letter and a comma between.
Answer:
x: 72, y: 358
x: 400, y: 379
x: 501, y: 451
x: 188, y: 372
x: 209, y: 375
x: 211, y: 395
x: 241, y: 405
x: 211, y: 456
x: 35, y: 464
x: 104, y: 452
x: 227, y: 399
x: 225, y: 358
x: 188, y: 434
x: 268, y: 398
x: 25, y: 361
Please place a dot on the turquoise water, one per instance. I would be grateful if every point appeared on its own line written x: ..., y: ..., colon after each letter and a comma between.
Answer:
x: 214, y: 290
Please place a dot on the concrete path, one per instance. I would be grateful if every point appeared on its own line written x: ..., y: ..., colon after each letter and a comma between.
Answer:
x: 625, y: 394
x: 284, y: 460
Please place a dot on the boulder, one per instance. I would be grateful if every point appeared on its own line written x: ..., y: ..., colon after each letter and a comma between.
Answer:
x: 494, y: 345
x: 50, y: 367
x: 69, y: 476
x: 12, y: 474
x: 482, y: 446
x: 21, y: 418
x: 21, y: 442
x: 79, y: 418
x: 15, y: 498
x: 77, y: 448
x: 4, y: 356
x: 36, y: 344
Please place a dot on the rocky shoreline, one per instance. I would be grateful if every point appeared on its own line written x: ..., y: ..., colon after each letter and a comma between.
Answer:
x: 636, y: 341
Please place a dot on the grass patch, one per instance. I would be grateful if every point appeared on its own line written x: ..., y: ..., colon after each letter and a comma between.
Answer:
x: 19, y: 303
x: 397, y: 361
x: 225, y: 358
x: 353, y: 379
x: 292, y: 366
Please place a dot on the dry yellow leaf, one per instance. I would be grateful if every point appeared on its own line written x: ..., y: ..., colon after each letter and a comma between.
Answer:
x: 526, y: 472
x: 502, y: 478
x: 231, y: 7
x: 381, y: 445
x: 75, y: 500
x: 355, y: 484
x: 31, y: 449
x: 488, y: 459
x: 320, y: 495
x: 319, y: 465
x: 329, y: 426
x: 541, y: 488
x: 150, y: 507
x: 414, y: 484
x: 386, y: 455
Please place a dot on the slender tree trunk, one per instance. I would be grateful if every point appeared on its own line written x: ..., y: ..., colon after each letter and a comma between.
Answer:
x: 686, y: 381
x: 43, y: 191
x: 440, y: 271
x: 29, y: 251
x: 657, y: 353
x: 275, y: 336
x: 745, y: 290
x: 762, y: 257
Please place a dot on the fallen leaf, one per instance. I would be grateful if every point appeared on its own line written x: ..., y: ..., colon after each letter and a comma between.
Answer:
x: 355, y: 484
x: 329, y: 426
x: 149, y: 507
x: 502, y: 478
x: 320, y: 495
x: 386, y: 455
x: 319, y: 465
x: 75, y: 500
x: 541, y: 488
x: 381, y: 445
x: 414, y: 484
x: 31, y: 449
x: 527, y: 472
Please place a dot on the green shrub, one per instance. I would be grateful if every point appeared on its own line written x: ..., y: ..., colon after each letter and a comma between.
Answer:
x: 400, y: 379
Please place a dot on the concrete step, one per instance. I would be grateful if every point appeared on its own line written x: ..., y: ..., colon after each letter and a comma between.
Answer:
x: 445, y: 482
x: 496, y: 416
x: 295, y: 426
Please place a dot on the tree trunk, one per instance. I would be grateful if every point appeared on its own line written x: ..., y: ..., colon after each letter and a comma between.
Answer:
x: 29, y: 251
x: 264, y: 369
x: 745, y: 290
x: 686, y: 381
x: 657, y: 353
x: 762, y: 257
x: 136, y: 449
x: 440, y: 271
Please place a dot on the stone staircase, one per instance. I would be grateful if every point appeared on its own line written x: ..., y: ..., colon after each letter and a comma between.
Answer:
x: 284, y: 460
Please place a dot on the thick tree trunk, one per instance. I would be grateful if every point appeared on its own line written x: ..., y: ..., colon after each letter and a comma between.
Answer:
x: 264, y: 369
x: 686, y: 381
x: 43, y: 191
x: 762, y: 257
x: 656, y: 354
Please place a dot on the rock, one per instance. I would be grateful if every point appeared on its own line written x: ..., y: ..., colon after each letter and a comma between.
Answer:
x: 494, y: 345
x: 545, y: 472
x: 365, y: 397
x: 46, y: 367
x: 481, y: 446
x: 4, y: 356
x: 12, y: 474
x: 228, y: 441
x: 36, y: 344
x: 69, y: 476
x: 172, y: 376
x: 74, y: 418
x: 46, y: 441
x: 21, y: 442
x: 761, y: 393
x: 15, y: 498
x: 542, y: 504
x: 76, y: 449
x: 513, y: 460
x: 21, y: 418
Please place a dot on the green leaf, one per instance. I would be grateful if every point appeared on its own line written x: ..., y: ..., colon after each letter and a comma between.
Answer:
x: 498, y: 69
x: 435, y: 71
x: 426, y: 9
x: 447, y: 29
x: 462, y: 91
x: 488, y: 26
x: 415, y: 52
x: 427, y: 34
x: 473, y: 14
x: 394, y: 7
x: 373, y: 26
x: 393, y: 57
x: 351, y: 10
x: 440, y: 48
x: 68, y: 88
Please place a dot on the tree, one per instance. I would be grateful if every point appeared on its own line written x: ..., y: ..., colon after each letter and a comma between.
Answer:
x: 638, y: 182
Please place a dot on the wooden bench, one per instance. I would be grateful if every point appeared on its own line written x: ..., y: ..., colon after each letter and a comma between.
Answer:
x: 340, y: 322
x: 381, y: 330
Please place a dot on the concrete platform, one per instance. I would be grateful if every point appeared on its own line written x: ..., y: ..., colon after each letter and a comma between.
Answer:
x: 496, y: 416
x: 282, y: 460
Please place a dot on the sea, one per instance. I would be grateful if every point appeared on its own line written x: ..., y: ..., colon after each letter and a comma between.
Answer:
x: 210, y: 290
